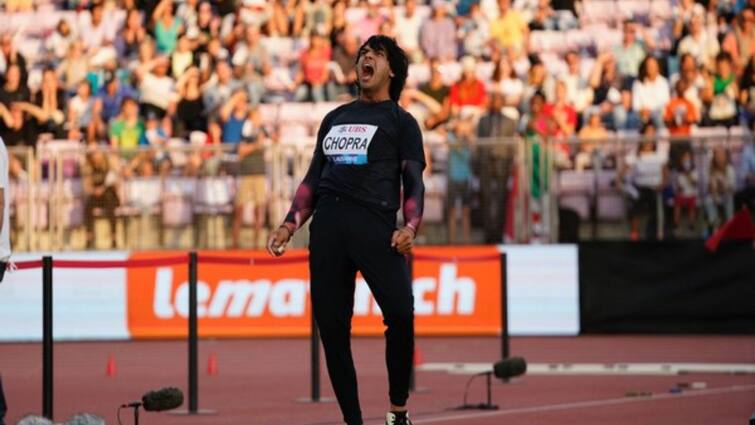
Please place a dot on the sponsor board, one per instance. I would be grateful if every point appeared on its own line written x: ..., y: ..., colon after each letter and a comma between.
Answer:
x: 451, y: 297
x: 273, y: 300
x: 87, y: 304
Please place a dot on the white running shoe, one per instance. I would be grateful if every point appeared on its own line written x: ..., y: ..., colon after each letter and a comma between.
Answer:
x: 392, y: 419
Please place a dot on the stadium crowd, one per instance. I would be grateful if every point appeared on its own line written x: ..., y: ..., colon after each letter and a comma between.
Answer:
x: 129, y: 73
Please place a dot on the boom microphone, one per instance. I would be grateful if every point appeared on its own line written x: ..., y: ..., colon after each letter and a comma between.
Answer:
x: 157, y: 401
x: 164, y: 399
x: 509, y: 368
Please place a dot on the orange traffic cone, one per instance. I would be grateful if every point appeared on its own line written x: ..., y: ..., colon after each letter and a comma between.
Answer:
x: 418, y: 359
x: 212, y: 365
x: 110, y: 370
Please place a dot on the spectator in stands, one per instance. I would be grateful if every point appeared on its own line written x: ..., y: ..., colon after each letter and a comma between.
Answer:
x: 468, y: 94
x: 437, y: 90
x: 219, y: 88
x: 685, y: 189
x: 505, y: 83
x: 253, y: 12
x: 538, y: 80
x: 495, y: 157
x: 683, y: 13
x: 744, y: 34
x: 278, y: 24
x: 111, y: 95
x: 233, y: 116
x: 127, y: 130
x: 9, y: 55
x: 699, y: 43
x: 345, y: 56
x: 510, y: 29
x: 251, y: 62
x: 188, y: 12
x: 190, y: 113
x: 50, y: 111
x: 722, y: 93
x: 693, y: 80
x: 81, y: 120
x: 74, y: 67
x: 166, y: 27
x: 156, y: 87
x: 314, y: 70
x: 13, y: 93
x: 408, y: 24
x: 252, y: 181
x: 460, y: 190
x: 650, y: 93
x: 680, y: 115
x: 543, y: 18
x: 437, y: 36
x: 95, y: 31
x: 564, y: 118
x: 607, y: 92
x: 642, y: 176
x: 60, y: 40
x: 746, y: 194
x: 474, y: 32
x: 338, y: 24
x: 131, y: 36
x: 563, y: 112
x: 85, y: 419
x: 629, y: 54
x: 182, y: 58
x: 34, y: 420
x: 207, y: 26
x: 747, y: 94
x: 591, y: 135
x: 719, y: 201
x: 370, y: 24
x: 538, y: 123
x: 99, y: 181
x: 578, y: 90
x: 315, y: 16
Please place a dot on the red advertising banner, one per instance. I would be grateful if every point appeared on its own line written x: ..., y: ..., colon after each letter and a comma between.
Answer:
x: 456, y: 290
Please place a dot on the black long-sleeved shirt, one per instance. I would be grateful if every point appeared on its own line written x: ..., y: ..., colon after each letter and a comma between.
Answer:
x: 365, y: 151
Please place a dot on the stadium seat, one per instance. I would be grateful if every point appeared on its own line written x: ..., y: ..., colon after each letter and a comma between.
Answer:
x: 214, y: 199
x: 575, y: 191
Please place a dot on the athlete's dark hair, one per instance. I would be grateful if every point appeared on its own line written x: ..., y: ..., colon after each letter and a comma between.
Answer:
x: 397, y: 61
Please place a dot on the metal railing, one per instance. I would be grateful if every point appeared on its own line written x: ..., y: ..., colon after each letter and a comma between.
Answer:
x: 186, y: 196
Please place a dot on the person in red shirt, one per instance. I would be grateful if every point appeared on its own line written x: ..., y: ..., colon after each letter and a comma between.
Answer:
x: 565, y: 118
x: 469, y: 91
x: 313, y: 72
x: 680, y: 114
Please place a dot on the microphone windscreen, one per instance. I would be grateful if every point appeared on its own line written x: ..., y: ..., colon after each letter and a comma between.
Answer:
x: 509, y: 368
x: 164, y: 399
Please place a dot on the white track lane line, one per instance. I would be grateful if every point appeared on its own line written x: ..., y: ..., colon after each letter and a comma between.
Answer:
x: 583, y: 404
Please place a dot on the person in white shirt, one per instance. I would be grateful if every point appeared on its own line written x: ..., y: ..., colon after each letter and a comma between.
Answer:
x: 699, y: 43
x: 650, y: 93
x: 407, y: 30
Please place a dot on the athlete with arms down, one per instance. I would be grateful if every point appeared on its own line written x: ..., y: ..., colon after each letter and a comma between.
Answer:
x: 366, y: 150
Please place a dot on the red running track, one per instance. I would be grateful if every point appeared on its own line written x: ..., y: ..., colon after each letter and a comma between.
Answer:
x: 258, y: 381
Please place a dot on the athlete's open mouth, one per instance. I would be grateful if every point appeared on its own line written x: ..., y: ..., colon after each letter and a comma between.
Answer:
x: 367, y: 71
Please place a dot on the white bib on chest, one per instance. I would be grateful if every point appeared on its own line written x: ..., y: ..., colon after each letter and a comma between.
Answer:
x: 348, y: 143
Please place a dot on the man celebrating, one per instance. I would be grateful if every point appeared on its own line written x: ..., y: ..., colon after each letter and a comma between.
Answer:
x: 365, y: 150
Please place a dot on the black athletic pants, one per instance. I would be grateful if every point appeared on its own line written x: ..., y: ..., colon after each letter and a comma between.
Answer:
x: 346, y: 237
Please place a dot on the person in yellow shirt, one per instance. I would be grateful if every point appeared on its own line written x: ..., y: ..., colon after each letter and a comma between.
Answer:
x: 509, y: 29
